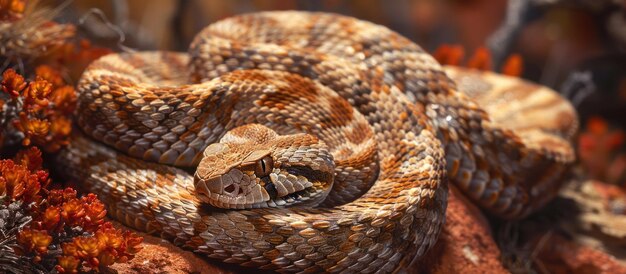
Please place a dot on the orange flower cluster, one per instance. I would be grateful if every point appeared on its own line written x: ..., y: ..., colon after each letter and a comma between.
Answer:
x: 63, y: 211
x: 43, y: 107
x: 11, y: 10
x: 65, y: 229
x: 599, y: 150
x: 481, y: 59
x: 37, y: 112
x: 23, y: 180
x: 63, y: 208
x: 108, y: 246
x: 12, y: 83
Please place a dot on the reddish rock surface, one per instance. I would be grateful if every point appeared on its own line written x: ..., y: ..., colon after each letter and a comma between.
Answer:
x: 465, y: 244
x: 578, y: 232
x: 160, y: 256
x: 560, y: 255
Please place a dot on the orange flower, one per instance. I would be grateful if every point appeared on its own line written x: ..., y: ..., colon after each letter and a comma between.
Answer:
x: 51, y: 218
x: 133, y: 243
x: 12, y: 83
x: 60, y: 130
x: 42, y: 177
x: 59, y: 196
x: 32, y: 128
x: 67, y: 264
x: 15, y: 178
x: 109, y: 237
x: 117, y: 246
x: 449, y: 54
x: 34, y: 240
x: 11, y: 9
x: 73, y: 212
x: 64, y: 99
x: 41, y: 240
x: 107, y: 257
x: 597, y: 147
x: 513, y: 66
x: 19, y: 183
x: 49, y: 74
x: 30, y: 158
x: 87, y: 246
x: 597, y: 126
x: 61, y: 126
x: 94, y: 212
x: 38, y: 91
x: 37, y: 127
x: 480, y: 60
x: 70, y: 249
x: 32, y: 186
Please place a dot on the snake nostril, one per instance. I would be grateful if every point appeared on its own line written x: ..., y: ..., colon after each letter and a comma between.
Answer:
x: 229, y: 188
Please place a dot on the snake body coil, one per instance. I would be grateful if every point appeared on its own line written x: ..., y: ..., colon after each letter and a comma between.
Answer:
x: 282, y: 111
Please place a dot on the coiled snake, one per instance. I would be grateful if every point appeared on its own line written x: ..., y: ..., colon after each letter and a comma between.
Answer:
x: 318, y: 139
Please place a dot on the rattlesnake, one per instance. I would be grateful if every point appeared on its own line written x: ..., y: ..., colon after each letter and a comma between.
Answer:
x: 318, y: 139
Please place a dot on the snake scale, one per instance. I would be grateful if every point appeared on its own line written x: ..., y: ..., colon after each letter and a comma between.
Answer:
x: 319, y: 142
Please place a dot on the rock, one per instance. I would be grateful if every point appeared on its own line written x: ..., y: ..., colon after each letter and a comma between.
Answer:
x: 578, y: 232
x: 599, y: 213
x: 160, y: 256
x: 465, y: 244
x: 561, y: 255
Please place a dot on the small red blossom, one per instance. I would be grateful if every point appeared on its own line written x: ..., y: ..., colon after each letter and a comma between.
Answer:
x: 94, y: 212
x: 50, y: 75
x: 51, y: 218
x: 14, y: 179
x: 513, y: 66
x: 11, y: 10
x: 481, y: 59
x: 73, y: 212
x: 598, y: 148
x: 87, y: 247
x: 32, y: 186
x: 58, y: 135
x: 31, y: 158
x: 449, y: 55
x: 68, y: 264
x: 34, y: 240
x: 37, y: 92
x: 59, y: 196
x: 12, y: 83
x: 18, y: 181
x: 35, y: 130
x: 64, y: 99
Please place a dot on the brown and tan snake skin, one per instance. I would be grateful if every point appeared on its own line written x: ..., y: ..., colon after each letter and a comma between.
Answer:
x: 317, y: 142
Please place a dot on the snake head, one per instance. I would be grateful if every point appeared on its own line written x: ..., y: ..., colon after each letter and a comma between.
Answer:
x: 253, y: 167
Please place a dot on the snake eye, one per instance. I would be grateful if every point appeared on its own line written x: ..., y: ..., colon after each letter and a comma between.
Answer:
x: 264, y: 166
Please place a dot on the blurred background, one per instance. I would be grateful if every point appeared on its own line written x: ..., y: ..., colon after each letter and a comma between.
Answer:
x: 576, y: 47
